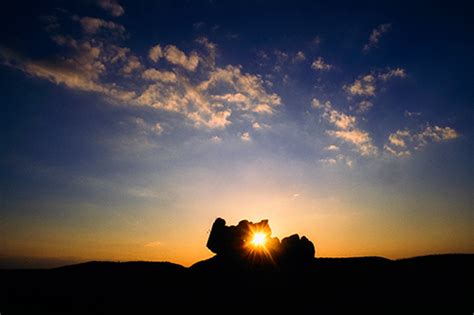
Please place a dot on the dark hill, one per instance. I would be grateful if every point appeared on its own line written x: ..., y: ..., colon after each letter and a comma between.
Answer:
x: 134, y: 287
x: 251, y: 271
x: 130, y: 266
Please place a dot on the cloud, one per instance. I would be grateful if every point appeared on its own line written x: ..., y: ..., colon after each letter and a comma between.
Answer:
x: 211, y: 48
x: 263, y: 109
x: 359, y: 138
x: 216, y: 139
x: 298, y: 57
x: 364, y: 86
x: 251, y: 86
x: 339, y: 159
x: 200, y: 104
x: 375, y: 36
x: 349, y: 162
x: 157, y: 75
x: 398, y: 138
x: 232, y: 98
x: 316, y: 103
x: 93, y: 25
x: 341, y: 120
x: 282, y: 60
x: 328, y: 161
x: 245, y: 137
x: 211, y: 102
x: 397, y: 153
x: 133, y: 64
x: 219, y: 119
x: 155, y: 53
x: 409, y: 114
x: 177, y: 57
x: 146, y: 128
x: 401, y: 142
x: 332, y: 147
x: 158, y: 129
x: 393, y: 73
x: 337, y: 118
x: 112, y: 7
x: 348, y: 131
x: 281, y: 56
x: 367, y: 85
x: 80, y: 71
x: 320, y: 65
x: 436, y: 134
x: 209, y: 98
x: 256, y: 126
x: 363, y: 106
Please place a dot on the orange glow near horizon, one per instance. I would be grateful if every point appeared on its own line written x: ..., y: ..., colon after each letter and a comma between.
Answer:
x: 337, y: 227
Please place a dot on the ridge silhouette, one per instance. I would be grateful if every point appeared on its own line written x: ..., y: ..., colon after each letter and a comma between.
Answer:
x: 245, y: 274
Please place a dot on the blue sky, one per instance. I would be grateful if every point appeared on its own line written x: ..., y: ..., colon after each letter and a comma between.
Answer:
x: 127, y: 127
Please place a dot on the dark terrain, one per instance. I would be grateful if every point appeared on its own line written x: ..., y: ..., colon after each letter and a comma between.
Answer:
x: 230, y: 283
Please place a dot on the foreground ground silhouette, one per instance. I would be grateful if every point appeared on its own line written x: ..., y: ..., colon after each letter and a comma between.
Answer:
x: 250, y: 271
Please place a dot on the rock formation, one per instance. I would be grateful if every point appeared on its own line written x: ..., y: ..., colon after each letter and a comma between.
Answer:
x: 234, y: 243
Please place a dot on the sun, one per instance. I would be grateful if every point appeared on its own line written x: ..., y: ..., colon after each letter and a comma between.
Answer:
x: 259, y: 239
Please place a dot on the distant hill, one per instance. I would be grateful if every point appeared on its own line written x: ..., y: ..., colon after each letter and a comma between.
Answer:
x: 109, y: 266
x: 339, y: 283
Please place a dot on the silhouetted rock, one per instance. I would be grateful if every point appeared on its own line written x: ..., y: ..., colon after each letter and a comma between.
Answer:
x: 233, y: 246
x: 296, y: 251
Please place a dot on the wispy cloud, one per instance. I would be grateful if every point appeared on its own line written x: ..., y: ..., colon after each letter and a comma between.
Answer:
x: 366, y: 86
x: 332, y: 147
x: 189, y: 84
x: 337, y: 118
x: 210, y: 98
x: 337, y: 160
x: 92, y: 25
x: 155, y: 53
x: 398, y: 138
x: 298, y: 57
x: 320, y: 65
x: 436, y: 134
x: 363, y: 106
x: 392, y: 73
x: 111, y: 6
x: 359, y: 138
x: 216, y: 139
x: 375, y: 36
x: 348, y: 131
x: 402, y: 142
x: 411, y: 114
x: 175, y: 56
x: 157, y: 75
x: 328, y: 161
x: 80, y: 71
x: 245, y: 137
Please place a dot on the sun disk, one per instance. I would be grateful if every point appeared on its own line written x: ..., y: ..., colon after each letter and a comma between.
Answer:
x: 259, y: 239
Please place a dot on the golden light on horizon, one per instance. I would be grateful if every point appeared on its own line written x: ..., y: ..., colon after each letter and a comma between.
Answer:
x: 259, y: 239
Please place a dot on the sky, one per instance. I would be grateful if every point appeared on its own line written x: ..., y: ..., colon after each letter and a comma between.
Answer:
x: 128, y: 127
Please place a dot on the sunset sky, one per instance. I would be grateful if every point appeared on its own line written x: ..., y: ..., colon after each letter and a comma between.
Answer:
x: 128, y: 127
